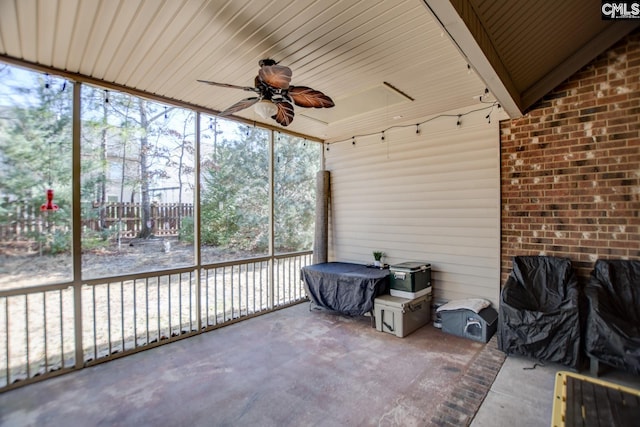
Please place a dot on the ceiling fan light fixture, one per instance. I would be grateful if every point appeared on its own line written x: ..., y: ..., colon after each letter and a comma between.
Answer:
x: 275, y: 95
x: 265, y: 109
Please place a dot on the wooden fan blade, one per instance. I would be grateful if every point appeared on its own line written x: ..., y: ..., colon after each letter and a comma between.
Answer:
x: 248, y: 88
x: 285, y: 114
x: 240, y: 105
x: 277, y: 76
x: 309, y: 98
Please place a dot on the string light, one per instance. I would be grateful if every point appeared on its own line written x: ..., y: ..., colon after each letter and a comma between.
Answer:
x: 486, y: 91
x: 106, y: 96
x: 468, y: 69
x: 488, y: 116
x: 47, y: 79
x: 166, y: 116
x: 353, y: 140
x: 418, y: 129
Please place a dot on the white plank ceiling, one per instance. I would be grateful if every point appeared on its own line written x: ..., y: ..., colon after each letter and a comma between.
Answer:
x: 347, y: 49
x: 340, y: 47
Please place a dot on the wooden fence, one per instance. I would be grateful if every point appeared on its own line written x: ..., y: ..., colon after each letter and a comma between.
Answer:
x: 23, y: 220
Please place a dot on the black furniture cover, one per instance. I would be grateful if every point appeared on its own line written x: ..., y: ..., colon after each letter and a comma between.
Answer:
x: 345, y: 287
x: 539, y: 313
x: 613, y: 318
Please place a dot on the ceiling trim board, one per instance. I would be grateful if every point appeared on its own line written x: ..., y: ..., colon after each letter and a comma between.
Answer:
x: 483, y: 59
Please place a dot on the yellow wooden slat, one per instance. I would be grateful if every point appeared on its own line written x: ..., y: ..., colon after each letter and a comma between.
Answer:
x: 567, y: 384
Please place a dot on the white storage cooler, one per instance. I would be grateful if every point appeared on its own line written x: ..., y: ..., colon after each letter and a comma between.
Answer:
x: 401, y: 316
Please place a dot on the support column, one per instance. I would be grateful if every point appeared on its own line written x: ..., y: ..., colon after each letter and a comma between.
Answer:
x: 76, y: 221
x: 320, y: 241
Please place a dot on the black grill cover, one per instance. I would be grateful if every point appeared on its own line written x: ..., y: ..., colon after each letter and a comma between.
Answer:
x: 613, y: 319
x: 345, y: 287
x: 539, y: 312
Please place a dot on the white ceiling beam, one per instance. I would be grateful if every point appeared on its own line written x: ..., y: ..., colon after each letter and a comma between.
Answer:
x: 474, y: 44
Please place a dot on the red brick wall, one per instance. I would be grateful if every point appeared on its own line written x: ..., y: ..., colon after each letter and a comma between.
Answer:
x: 570, y: 177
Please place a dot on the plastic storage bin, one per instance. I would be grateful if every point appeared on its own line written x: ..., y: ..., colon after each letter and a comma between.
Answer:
x: 410, y: 279
x: 401, y: 316
x: 469, y: 324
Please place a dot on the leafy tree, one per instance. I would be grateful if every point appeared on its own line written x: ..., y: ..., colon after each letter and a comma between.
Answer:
x: 35, y: 148
x: 234, y: 204
x: 148, y: 141
x: 95, y: 135
x: 181, y: 150
x: 135, y: 128
x: 235, y: 193
x: 106, y: 142
x: 296, y: 164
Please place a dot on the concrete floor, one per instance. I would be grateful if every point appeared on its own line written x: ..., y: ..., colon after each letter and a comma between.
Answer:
x: 522, y: 396
x: 293, y: 367
x: 519, y: 396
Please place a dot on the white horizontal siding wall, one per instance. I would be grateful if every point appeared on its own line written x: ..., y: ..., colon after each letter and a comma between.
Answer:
x: 432, y: 197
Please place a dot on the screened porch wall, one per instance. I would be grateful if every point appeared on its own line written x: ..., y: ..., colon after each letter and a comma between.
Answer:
x: 431, y: 196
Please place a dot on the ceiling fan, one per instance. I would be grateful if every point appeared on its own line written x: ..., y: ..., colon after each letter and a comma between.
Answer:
x: 274, y: 94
